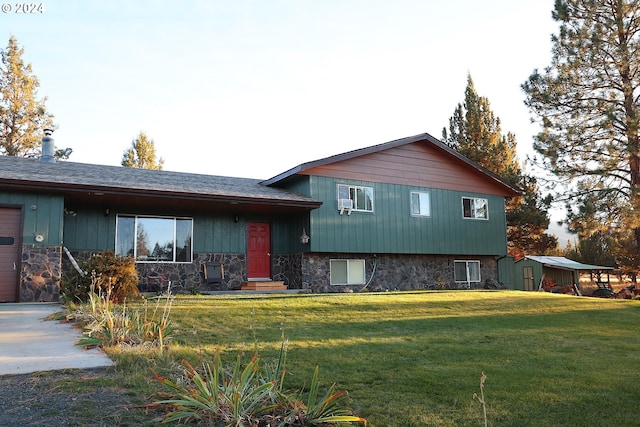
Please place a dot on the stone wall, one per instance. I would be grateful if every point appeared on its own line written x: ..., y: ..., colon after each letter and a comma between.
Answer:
x: 393, y: 272
x: 184, y: 277
x: 189, y: 278
x: 287, y: 268
x: 40, y: 274
x: 309, y: 271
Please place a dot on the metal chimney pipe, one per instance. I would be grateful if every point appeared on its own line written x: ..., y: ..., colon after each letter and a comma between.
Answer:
x: 48, y: 147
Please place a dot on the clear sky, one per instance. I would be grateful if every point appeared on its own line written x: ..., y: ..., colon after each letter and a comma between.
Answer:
x: 252, y: 88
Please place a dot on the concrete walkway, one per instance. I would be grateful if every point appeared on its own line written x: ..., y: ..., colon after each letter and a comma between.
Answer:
x: 28, y: 343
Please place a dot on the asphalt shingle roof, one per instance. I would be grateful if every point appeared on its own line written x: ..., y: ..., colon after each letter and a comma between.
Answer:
x: 65, y: 175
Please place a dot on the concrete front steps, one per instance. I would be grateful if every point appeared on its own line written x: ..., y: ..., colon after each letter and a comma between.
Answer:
x: 263, y: 286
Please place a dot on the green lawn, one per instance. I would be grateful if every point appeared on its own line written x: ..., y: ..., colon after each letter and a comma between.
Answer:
x: 415, y: 358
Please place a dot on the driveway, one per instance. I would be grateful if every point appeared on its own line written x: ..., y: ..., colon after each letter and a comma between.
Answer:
x: 28, y: 343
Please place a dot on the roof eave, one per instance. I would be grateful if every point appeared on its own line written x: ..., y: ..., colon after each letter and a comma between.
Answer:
x: 283, y: 175
x: 582, y: 267
x: 119, y: 191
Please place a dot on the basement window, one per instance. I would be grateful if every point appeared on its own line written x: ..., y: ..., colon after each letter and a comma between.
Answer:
x: 154, y: 239
x: 347, y: 271
x: 466, y: 271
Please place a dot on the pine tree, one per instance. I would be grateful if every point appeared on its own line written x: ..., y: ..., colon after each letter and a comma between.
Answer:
x: 587, y: 104
x: 142, y: 154
x: 475, y: 132
x: 23, y: 117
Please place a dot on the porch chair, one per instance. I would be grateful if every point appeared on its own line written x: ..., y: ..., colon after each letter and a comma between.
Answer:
x: 212, y: 273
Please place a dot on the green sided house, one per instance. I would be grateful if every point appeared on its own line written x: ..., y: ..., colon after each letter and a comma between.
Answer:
x: 407, y: 214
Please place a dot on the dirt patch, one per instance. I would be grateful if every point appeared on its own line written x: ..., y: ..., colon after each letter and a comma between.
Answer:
x: 69, y: 398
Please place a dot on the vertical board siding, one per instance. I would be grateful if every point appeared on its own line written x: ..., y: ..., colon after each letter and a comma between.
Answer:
x: 506, y: 271
x: 286, y: 232
x: 92, y: 230
x: 88, y: 229
x: 218, y: 233
x: 392, y: 229
x: 45, y: 219
x: 282, y: 235
x: 213, y: 232
x: 519, y: 273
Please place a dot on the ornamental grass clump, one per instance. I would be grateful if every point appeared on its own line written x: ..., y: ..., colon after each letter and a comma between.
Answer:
x: 250, y: 396
x: 153, y: 326
x: 108, y: 324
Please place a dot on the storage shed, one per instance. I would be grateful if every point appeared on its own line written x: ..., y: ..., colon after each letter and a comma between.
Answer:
x: 532, y: 271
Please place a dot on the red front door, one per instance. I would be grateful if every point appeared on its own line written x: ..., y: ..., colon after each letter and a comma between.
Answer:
x: 259, y: 250
x: 10, y: 232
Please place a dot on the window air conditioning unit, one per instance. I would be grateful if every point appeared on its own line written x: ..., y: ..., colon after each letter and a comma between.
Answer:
x: 345, y: 205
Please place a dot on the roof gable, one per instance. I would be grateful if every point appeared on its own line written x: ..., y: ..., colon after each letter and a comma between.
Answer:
x: 420, y: 160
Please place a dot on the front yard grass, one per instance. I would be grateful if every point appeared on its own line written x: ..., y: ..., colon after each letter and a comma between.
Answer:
x: 416, y: 358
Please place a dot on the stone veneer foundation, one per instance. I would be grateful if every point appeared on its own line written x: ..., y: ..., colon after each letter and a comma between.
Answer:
x: 189, y: 277
x: 309, y: 271
x: 390, y: 272
x: 40, y: 274
x: 183, y: 277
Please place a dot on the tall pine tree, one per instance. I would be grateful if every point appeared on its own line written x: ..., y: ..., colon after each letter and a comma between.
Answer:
x: 23, y: 117
x: 587, y: 102
x: 475, y: 132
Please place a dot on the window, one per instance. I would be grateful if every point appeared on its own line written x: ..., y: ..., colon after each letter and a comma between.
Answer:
x: 420, y: 203
x: 475, y: 208
x: 347, y: 271
x: 7, y: 241
x: 466, y: 271
x: 361, y: 197
x: 154, y: 239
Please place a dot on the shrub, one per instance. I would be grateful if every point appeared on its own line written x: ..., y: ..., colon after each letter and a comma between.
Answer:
x: 115, y: 275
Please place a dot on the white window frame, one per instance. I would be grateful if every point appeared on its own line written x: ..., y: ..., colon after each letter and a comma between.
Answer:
x: 475, y: 206
x: 468, y: 271
x: 424, y: 203
x: 135, y: 238
x: 351, y: 194
x: 351, y: 266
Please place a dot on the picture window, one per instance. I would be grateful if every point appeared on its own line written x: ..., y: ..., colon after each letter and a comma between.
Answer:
x: 154, y: 239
